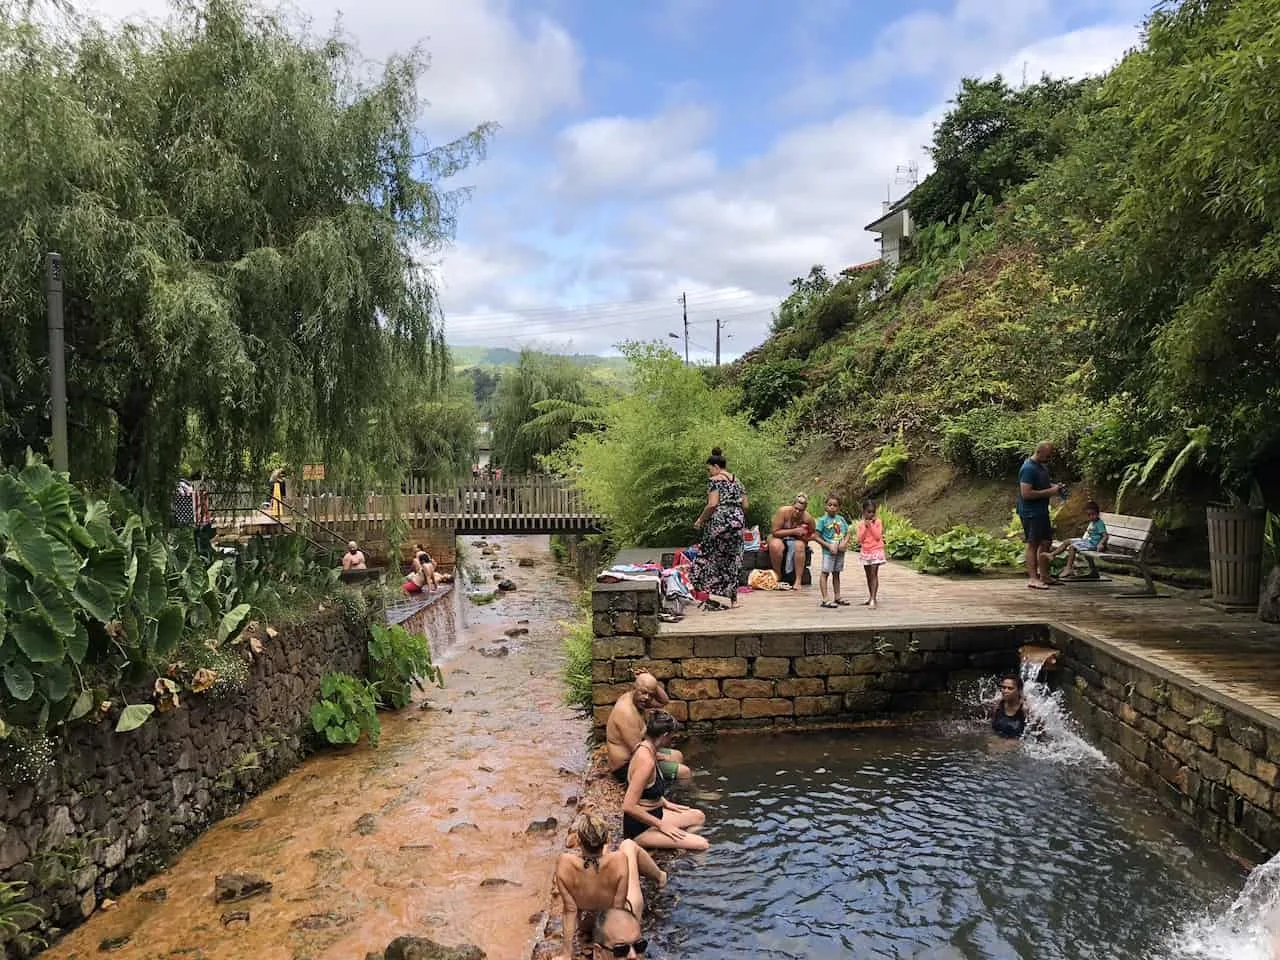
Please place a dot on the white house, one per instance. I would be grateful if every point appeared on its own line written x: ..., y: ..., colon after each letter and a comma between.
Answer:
x: 894, y: 229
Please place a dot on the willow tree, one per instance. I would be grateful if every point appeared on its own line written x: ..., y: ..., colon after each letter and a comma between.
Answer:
x: 243, y: 210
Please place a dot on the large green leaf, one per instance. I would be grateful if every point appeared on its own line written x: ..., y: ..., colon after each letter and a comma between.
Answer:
x: 29, y: 545
x: 158, y: 592
x: 35, y: 638
x: 66, y: 562
x: 15, y: 496
x: 97, y: 521
x: 57, y: 681
x: 108, y: 568
x: 55, y: 504
x: 95, y: 599
x: 78, y: 643
x: 53, y: 602
x: 232, y: 622
x: 82, y: 706
x: 19, y: 681
x: 37, y: 476
x: 134, y: 716
x: 169, y: 628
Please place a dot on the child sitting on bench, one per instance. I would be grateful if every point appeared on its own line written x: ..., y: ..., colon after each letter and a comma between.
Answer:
x: 1095, y: 538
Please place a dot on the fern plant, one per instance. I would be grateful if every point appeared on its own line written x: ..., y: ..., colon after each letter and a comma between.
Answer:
x: 18, y: 914
x: 888, y: 464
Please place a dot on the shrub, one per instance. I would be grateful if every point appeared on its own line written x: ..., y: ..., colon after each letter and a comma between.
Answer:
x: 991, y: 441
x: 347, y: 710
x: 398, y: 661
x: 578, y: 638
x: 768, y: 387
x: 18, y: 914
x: 902, y: 539
x: 966, y: 550
x: 888, y: 464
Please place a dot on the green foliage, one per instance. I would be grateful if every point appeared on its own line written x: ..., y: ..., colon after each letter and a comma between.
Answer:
x: 902, y: 539
x: 645, y: 469
x: 1172, y: 454
x: 992, y: 441
x: 347, y: 710
x: 768, y: 387
x: 539, y: 405
x: 966, y: 550
x: 243, y: 212
x: 398, y: 661
x: 94, y: 597
x: 993, y: 139
x: 484, y: 599
x: 888, y: 464
x: 17, y: 913
x: 805, y: 291
x: 578, y: 638
x: 439, y: 430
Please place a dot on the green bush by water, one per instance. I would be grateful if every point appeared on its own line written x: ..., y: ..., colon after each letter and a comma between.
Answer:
x: 347, y: 710
x: 398, y: 662
x: 966, y: 550
x: 578, y: 638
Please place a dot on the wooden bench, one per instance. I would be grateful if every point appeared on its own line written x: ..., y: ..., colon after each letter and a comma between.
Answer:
x: 1128, y: 542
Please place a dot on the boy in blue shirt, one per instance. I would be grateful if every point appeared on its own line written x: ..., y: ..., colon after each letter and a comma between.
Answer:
x: 833, y: 536
x: 1095, y: 538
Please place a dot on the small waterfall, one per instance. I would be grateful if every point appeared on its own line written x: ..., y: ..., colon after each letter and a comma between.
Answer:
x: 1248, y: 930
x: 1053, y: 735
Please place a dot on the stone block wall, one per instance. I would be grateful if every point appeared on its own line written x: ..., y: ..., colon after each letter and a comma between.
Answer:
x: 1202, y: 753
x: 117, y: 806
x: 779, y: 680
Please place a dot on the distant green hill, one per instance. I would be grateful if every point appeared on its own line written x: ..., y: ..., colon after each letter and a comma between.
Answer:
x: 464, y: 357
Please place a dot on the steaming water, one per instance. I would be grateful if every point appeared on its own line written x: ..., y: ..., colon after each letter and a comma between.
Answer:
x: 904, y: 842
x: 1247, y: 930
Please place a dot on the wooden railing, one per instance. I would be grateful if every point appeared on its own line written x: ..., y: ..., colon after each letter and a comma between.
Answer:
x: 533, y: 503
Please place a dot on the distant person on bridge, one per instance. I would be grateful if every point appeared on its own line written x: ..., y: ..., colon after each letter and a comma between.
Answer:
x: 354, y: 558
x: 625, y: 729
x: 718, y: 566
x: 789, y: 535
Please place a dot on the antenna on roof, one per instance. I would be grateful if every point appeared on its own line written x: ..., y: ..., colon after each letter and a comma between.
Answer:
x: 908, y: 173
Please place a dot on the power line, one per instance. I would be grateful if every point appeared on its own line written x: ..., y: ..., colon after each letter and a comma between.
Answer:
x: 726, y: 295
x: 517, y: 320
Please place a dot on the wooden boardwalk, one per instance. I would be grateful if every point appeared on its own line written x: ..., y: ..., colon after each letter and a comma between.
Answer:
x: 1234, y: 654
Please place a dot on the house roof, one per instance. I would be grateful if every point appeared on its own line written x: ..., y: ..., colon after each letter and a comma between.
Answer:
x: 857, y: 267
x: 894, y: 209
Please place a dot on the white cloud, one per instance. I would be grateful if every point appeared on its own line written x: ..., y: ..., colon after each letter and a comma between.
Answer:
x: 486, y: 63
x: 635, y: 154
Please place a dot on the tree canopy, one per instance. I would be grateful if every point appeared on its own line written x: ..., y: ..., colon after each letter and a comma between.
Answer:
x: 539, y: 404
x: 242, y: 211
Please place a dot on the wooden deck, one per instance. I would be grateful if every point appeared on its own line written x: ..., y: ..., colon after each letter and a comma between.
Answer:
x: 1234, y: 654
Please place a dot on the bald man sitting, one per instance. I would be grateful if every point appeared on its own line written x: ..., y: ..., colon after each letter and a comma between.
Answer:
x: 626, y: 726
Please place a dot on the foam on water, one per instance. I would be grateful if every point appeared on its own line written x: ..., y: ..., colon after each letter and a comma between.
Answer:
x: 1248, y: 930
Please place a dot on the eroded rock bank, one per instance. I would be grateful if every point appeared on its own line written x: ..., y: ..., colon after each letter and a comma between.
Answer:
x: 428, y: 836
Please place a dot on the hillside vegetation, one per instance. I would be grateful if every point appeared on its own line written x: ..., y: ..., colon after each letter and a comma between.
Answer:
x: 1095, y: 263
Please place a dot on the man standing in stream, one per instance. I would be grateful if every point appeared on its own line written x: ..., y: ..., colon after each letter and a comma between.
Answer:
x: 1034, y: 491
x: 625, y: 729
x: 789, y: 535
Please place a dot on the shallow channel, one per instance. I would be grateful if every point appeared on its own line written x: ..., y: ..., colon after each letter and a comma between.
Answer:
x: 930, y: 841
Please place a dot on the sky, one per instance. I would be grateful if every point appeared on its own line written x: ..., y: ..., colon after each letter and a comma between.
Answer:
x: 708, y: 148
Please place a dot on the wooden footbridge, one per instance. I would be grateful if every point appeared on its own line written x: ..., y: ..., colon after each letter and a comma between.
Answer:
x: 523, y: 504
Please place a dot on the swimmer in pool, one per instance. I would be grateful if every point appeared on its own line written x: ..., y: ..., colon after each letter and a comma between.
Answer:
x: 648, y: 817
x: 1009, y: 715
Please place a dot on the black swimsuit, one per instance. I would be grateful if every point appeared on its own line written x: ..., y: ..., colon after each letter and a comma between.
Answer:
x: 1007, y: 725
x: 633, y: 827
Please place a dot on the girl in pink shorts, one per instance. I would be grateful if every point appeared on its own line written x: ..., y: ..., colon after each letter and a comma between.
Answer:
x: 870, y: 537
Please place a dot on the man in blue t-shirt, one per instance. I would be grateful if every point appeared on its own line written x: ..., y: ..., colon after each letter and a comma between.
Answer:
x: 1034, y: 490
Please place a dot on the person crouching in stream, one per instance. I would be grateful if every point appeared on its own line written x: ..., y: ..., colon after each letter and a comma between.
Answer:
x: 597, y: 880
x: 648, y: 817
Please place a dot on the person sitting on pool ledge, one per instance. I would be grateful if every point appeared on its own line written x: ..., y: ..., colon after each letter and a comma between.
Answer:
x: 1009, y: 717
x: 648, y: 817
x: 617, y: 934
x: 625, y: 729
x: 596, y: 880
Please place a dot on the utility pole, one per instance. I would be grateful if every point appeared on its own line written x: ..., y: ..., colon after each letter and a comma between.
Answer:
x: 57, y: 360
x: 684, y: 303
x: 719, y: 325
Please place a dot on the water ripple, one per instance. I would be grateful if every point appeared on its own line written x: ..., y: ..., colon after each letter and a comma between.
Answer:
x: 900, y: 844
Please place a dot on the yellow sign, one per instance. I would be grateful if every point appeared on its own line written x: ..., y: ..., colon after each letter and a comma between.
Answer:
x: 313, y: 471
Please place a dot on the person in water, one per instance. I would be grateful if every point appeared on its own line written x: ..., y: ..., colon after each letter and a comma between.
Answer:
x: 597, y: 880
x: 648, y: 817
x: 625, y: 729
x: 1009, y: 718
x: 617, y: 934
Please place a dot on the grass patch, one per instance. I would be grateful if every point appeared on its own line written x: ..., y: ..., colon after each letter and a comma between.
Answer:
x: 577, y: 648
x: 480, y: 599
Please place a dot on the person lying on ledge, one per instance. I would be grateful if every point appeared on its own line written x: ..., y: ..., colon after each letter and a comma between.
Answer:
x: 648, y: 817
x: 595, y: 879
x: 625, y: 729
x: 1009, y: 711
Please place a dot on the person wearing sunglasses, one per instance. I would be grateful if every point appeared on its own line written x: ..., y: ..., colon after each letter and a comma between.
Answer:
x: 617, y: 934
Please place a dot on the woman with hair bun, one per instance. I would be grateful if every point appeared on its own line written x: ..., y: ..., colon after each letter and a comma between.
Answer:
x: 598, y: 879
x: 719, y: 562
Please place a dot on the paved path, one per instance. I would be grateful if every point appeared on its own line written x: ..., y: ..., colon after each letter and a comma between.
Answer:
x: 1234, y: 653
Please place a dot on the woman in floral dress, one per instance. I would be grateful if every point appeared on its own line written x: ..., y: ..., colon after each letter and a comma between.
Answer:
x: 717, y: 567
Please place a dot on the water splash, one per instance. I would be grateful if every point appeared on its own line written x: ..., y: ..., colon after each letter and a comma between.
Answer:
x: 1248, y: 930
x: 1053, y: 734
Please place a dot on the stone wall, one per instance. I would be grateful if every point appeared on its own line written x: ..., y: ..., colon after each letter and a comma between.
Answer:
x: 780, y: 680
x: 1201, y: 752
x: 116, y: 807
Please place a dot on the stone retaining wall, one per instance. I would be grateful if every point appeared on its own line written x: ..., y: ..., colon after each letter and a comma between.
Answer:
x: 116, y: 807
x: 780, y: 680
x: 436, y: 619
x: 1201, y: 752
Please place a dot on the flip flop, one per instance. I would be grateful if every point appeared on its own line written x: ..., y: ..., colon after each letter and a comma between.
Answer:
x: 842, y: 603
x: 1037, y: 586
x: 827, y: 605
x: 865, y: 603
